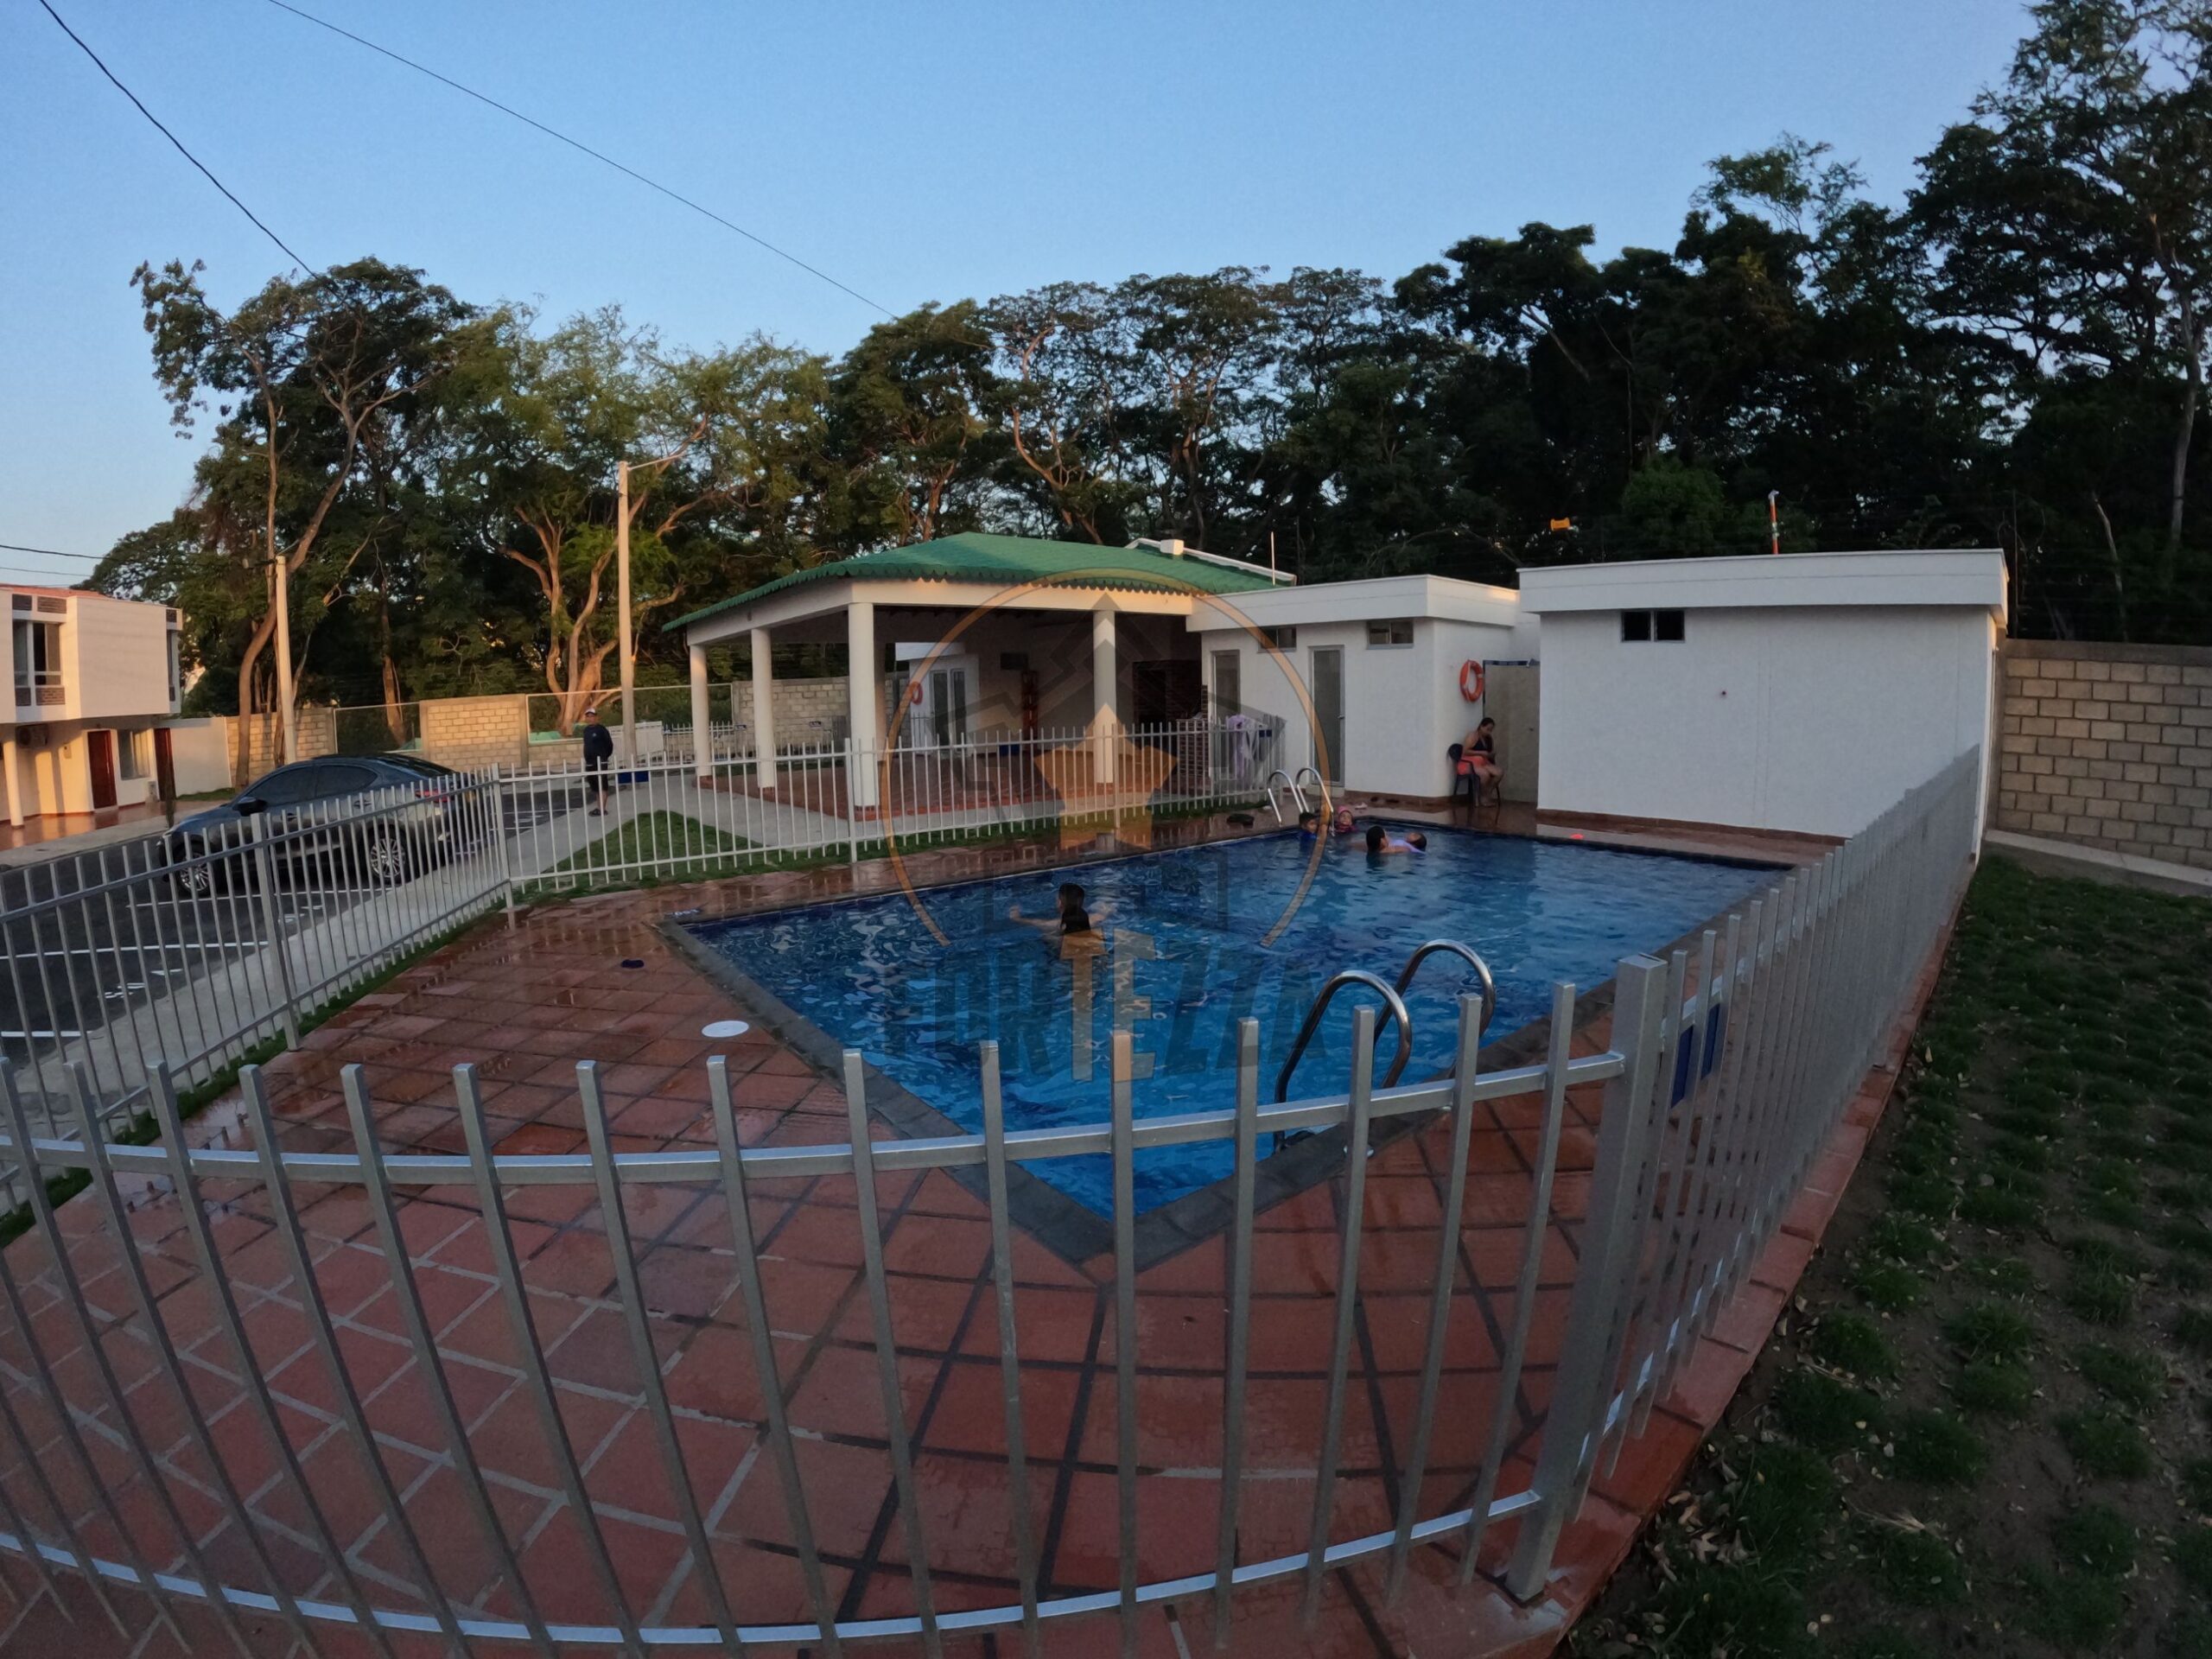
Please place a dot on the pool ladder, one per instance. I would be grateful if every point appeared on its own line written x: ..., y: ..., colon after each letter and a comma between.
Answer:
x: 1297, y: 788
x: 1394, y: 1004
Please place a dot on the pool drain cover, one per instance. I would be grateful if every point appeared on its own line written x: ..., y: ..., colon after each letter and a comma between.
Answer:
x: 633, y: 962
x: 725, y: 1028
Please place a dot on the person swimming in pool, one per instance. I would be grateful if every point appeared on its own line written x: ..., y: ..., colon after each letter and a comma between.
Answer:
x: 1309, y: 827
x: 1070, y: 916
x: 1341, y: 821
x: 1381, y: 841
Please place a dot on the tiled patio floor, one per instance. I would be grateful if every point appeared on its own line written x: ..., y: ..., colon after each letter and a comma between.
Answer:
x: 526, y: 1005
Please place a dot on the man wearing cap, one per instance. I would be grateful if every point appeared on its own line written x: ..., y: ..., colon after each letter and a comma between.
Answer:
x: 599, y: 749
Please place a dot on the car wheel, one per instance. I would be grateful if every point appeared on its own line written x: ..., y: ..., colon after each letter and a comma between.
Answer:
x: 199, y: 879
x: 385, y: 861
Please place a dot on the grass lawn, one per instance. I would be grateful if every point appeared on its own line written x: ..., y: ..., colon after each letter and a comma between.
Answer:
x: 615, y: 857
x: 1986, y: 1424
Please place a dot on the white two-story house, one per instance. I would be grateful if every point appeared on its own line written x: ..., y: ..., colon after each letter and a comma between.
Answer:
x: 90, y: 683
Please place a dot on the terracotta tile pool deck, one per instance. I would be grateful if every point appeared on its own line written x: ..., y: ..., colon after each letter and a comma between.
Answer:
x: 525, y: 1004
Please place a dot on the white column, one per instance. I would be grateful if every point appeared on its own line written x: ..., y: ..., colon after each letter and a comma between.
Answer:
x: 764, y: 710
x: 14, y: 786
x: 702, y: 730
x: 864, y: 698
x: 1106, y: 723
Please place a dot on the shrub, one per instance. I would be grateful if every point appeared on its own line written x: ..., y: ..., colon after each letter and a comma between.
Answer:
x: 2104, y: 1445
x: 2193, y: 1557
x: 2098, y: 1297
x: 1914, y: 1567
x: 1853, y: 1343
x: 1891, y: 1288
x: 1990, y: 1330
x: 1995, y: 1387
x: 1903, y: 1239
x: 2128, y: 1376
x: 2193, y: 1330
x: 1936, y: 1448
x: 2095, y: 1539
x: 1783, y: 1503
x: 2197, y: 1484
x: 1823, y: 1413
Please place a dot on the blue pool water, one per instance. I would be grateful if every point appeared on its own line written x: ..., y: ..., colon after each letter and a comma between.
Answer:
x: 1184, y: 953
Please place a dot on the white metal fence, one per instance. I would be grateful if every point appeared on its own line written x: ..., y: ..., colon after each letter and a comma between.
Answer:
x: 1727, y: 1069
x: 195, y: 948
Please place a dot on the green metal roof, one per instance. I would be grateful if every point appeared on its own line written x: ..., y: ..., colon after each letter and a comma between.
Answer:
x: 1010, y: 560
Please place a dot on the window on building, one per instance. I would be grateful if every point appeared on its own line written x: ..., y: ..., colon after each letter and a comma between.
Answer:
x: 176, y: 673
x: 38, y: 662
x: 1280, y: 639
x: 134, y: 754
x: 1397, y: 631
x: 1642, y: 627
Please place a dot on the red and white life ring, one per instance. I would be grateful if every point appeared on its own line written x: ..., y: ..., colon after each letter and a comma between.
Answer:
x: 1471, y: 681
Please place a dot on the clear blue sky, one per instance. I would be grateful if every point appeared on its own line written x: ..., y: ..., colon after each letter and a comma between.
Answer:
x: 915, y: 153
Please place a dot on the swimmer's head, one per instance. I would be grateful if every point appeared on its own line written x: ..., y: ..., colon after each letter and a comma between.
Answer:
x: 1375, y: 837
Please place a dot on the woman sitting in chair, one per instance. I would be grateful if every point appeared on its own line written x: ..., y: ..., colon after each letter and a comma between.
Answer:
x: 1478, y: 761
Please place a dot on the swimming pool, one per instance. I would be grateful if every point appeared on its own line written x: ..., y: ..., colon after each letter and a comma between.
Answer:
x: 1191, y: 942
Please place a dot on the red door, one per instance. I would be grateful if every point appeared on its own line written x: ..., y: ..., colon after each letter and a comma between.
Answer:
x: 101, y: 746
x: 164, y: 764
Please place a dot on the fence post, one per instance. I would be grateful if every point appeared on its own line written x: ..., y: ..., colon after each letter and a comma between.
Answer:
x: 264, y: 871
x: 853, y: 804
x: 499, y: 836
x: 1574, y: 1425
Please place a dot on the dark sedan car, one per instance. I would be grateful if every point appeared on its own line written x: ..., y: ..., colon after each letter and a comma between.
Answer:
x: 388, y: 840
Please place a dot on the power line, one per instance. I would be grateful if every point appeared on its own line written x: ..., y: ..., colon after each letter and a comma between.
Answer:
x: 578, y: 144
x: 51, y: 552
x: 173, y: 138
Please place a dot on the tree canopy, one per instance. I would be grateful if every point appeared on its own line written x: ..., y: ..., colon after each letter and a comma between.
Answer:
x: 2013, y: 356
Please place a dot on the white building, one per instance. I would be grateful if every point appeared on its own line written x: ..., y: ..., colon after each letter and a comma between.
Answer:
x: 1803, y: 692
x: 93, y: 682
x: 1369, y: 678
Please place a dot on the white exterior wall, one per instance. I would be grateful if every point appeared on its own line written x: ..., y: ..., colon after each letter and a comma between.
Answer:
x: 1810, y: 719
x: 1402, y: 707
x: 119, y: 654
x: 201, y: 750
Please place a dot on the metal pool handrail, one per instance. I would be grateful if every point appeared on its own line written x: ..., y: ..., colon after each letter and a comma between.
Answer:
x: 1422, y: 953
x: 1391, y: 1001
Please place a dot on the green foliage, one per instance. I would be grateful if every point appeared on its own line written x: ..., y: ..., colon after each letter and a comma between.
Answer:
x: 2095, y: 1539
x: 2126, y: 1376
x: 1913, y: 1567
x: 1994, y: 1388
x: 1853, y: 1342
x: 1990, y: 1330
x: 1937, y: 1449
x: 1822, y: 1412
x: 2104, y: 1445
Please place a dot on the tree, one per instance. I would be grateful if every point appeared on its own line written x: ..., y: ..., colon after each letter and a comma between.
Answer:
x: 319, y: 385
x: 915, y: 418
x: 726, y: 452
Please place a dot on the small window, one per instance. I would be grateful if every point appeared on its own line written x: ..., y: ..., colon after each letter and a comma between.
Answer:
x: 1641, y: 628
x: 134, y: 753
x: 1397, y: 630
x: 1282, y: 639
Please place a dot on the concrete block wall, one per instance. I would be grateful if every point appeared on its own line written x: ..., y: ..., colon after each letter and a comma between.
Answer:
x: 471, y: 733
x: 2109, y: 746
x: 263, y: 737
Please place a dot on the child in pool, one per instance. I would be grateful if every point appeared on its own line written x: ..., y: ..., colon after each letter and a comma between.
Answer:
x: 1381, y: 841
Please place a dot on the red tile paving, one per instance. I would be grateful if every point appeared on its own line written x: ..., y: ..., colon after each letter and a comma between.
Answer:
x: 524, y: 1003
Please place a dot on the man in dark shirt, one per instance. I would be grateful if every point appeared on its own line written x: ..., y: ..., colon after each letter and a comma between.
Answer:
x: 599, y: 749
